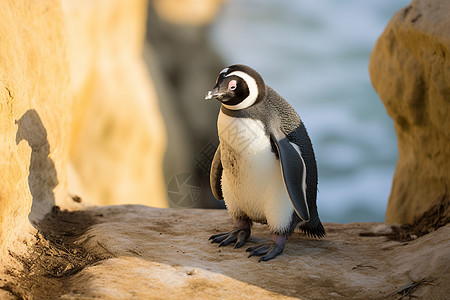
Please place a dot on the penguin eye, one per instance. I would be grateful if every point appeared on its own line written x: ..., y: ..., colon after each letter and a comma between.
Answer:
x: 232, y: 85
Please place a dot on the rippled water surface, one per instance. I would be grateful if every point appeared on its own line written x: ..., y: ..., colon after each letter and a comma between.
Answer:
x: 316, y: 55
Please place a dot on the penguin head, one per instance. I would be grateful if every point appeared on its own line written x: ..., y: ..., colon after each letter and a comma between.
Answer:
x: 238, y: 87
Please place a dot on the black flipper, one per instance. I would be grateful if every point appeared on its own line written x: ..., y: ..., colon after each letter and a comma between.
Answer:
x: 216, y: 175
x: 294, y: 174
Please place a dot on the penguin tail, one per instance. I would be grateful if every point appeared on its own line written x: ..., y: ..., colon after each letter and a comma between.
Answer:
x: 313, y: 228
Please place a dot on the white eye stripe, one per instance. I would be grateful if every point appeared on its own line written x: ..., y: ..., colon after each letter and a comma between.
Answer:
x: 223, y: 71
x: 252, y: 88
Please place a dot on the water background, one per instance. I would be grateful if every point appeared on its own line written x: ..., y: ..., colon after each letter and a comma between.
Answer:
x: 316, y: 54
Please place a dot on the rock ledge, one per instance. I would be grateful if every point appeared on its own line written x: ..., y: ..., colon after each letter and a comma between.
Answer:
x: 142, y: 252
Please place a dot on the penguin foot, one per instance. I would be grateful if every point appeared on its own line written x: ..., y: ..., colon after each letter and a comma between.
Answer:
x: 238, y: 235
x: 269, y: 250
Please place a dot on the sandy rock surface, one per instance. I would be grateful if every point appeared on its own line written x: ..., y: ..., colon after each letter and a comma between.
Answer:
x: 410, y: 70
x: 141, y: 252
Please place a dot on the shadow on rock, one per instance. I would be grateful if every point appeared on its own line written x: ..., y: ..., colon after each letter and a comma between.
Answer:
x: 42, y: 178
x: 55, y: 253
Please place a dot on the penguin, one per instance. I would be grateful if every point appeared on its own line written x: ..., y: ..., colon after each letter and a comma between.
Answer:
x: 264, y: 167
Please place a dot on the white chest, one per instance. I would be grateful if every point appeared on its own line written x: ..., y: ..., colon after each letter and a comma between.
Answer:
x: 252, y: 183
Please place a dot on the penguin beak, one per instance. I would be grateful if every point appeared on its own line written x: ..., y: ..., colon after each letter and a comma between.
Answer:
x: 213, y: 94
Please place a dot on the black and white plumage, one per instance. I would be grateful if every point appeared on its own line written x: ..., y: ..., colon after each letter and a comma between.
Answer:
x: 264, y: 167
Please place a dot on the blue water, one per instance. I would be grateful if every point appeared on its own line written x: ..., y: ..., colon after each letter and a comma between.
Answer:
x: 316, y: 55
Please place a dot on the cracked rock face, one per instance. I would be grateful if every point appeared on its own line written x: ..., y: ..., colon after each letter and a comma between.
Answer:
x: 410, y: 70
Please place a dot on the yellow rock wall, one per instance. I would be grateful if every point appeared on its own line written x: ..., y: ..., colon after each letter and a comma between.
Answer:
x: 34, y: 114
x: 75, y: 99
x: 410, y: 70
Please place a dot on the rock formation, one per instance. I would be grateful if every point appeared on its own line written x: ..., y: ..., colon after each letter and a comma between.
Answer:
x: 34, y: 115
x: 410, y: 70
x: 126, y: 252
x: 78, y: 111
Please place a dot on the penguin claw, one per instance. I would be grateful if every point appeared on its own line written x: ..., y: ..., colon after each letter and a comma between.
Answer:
x: 229, y: 239
x: 241, y: 238
x: 217, y: 238
x: 258, y: 250
x: 269, y: 250
x: 238, y: 235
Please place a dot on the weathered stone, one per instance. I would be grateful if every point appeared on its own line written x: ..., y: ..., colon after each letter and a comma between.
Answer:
x: 165, y: 254
x: 410, y: 70
x: 73, y: 84
x: 34, y: 115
